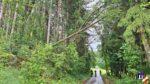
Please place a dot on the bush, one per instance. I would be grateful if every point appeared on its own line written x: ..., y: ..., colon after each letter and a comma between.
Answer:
x: 41, y: 64
x: 127, y: 80
x: 45, y: 64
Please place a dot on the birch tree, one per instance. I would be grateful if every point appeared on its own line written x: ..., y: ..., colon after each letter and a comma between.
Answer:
x: 14, y: 18
x: 48, y: 32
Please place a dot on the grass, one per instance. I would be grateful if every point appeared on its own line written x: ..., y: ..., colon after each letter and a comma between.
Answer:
x: 12, y: 76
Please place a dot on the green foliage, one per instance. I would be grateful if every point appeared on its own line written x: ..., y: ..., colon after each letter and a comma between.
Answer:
x: 122, y: 41
x: 145, y: 5
x: 76, y: 12
x: 66, y: 80
x: 45, y: 63
x: 25, y: 58
x: 132, y: 55
x: 37, y: 61
x: 136, y: 18
x: 24, y: 51
x: 10, y: 76
x: 127, y: 80
x: 112, y: 16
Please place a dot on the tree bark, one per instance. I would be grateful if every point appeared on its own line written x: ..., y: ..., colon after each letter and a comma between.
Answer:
x: 14, y: 19
x: 59, y: 27
x: 49, y: 24
x: 8, y: 16
x: 146, y: 46
x: 1, y: 13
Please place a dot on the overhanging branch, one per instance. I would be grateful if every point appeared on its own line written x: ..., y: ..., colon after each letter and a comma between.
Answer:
x: 80, y: 30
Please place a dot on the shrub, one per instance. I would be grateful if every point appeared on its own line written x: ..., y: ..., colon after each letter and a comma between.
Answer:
x: 127, y: 80
x: 45, y: 64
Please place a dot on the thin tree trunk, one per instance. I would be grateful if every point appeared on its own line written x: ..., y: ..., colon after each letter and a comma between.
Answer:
x: 146, y: 46
x: 48, y: 29
x: 14, y: 19
x: 49, y: 24
x: 1, y: 13
x: 8, y: 15
x: 59, y: 26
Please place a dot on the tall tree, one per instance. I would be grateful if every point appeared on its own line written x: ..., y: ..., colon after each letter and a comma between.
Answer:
x: 136, y: 28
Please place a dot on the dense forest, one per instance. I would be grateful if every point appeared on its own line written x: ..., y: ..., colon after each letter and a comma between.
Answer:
x: 49, y: 41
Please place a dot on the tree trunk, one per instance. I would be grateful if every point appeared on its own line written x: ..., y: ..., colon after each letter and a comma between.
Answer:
x: 14, y: 19
x: 49, y: 24
x: 59, y: 27
x: 8, y: 16
x: 146, y: 46
x: 48, y: 29
x: 1, y: 13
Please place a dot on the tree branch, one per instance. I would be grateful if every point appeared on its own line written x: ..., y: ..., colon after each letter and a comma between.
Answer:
x: 80, y: 30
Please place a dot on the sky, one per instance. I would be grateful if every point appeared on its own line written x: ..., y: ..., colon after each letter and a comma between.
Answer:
x: 94, y: 38
x: 91, y: 4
